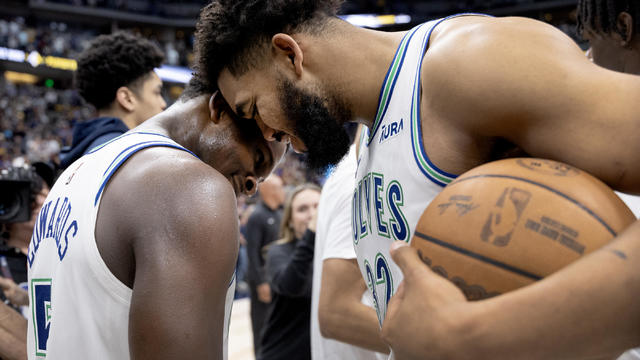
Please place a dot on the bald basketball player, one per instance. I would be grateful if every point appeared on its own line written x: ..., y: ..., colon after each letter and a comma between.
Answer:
x: 438, y: 100
x: 134, y: 251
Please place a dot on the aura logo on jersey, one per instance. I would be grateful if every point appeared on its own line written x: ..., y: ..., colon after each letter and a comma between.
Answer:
x: 53, y: 223
x: 377, y: 207
x: 390, y: 130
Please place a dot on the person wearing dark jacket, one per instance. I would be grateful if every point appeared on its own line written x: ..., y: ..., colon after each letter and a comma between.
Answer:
x: 116, y: 75
x: 262, y: 229
x: 286, y: 333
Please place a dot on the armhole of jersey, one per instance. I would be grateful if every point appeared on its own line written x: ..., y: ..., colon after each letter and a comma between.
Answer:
x: 389, y: 83
x: 429, y: 169
x: 97, y: 264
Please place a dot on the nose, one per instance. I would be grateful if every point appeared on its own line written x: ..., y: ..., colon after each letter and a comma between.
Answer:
x: 250, y: 185
x: 267, y: 132
x: 163, y: 104
x: 271, y: 134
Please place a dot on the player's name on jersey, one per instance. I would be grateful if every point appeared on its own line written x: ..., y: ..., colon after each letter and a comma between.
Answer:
x: 378, y: 207
x: 53, y: 223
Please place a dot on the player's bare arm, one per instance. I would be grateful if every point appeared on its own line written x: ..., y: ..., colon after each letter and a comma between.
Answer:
x: 341, y: 314
x: 181, y: 236
x: 599, y: 317
x: 517, y: 80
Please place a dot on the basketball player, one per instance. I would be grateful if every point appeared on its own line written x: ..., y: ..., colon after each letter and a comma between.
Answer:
x: 438, y: 100
x: 134, y: 251
x: 344, y: 324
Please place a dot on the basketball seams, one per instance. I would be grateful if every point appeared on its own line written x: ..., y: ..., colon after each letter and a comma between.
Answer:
x: 480, y: 257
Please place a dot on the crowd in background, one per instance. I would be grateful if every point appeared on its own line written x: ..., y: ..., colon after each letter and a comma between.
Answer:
x: 36, y: 122
x: 56, y: 38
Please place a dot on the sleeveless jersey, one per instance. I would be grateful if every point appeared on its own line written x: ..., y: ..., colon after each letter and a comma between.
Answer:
x: 79, y: 309
x: 395, y: 180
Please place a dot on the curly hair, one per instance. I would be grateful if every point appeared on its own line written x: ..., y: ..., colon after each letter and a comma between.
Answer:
x: 112, y: 61
x: 228, y: 31
x: 602, y: 15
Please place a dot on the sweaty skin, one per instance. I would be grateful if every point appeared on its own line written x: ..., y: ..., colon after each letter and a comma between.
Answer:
x: 486, y: 93
x: 167, y: 227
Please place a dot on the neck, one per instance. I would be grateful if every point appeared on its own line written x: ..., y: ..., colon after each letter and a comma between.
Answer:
x: 270, y: 203
x: 115, y: 111
x: 631, y: 59
x: 184, y: 123
x: 357, y: 74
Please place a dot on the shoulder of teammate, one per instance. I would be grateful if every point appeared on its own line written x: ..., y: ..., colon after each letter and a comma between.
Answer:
x: 484, y: 70
x: 185, y: 247
x: 161, y: 187
x: 527, y: 82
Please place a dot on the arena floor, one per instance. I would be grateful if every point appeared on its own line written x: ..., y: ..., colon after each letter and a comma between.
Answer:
x: 240, y: 337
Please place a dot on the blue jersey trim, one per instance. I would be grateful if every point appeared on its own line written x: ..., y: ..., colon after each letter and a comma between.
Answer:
x: 393, y: 84
x: 123, y: 135
x: 418, y: 115
x: 143, y: 146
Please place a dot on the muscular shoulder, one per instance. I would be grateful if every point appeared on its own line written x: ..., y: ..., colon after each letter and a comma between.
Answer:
x: 502, y: 34
x: 505, y: 62
x: 162, y: 189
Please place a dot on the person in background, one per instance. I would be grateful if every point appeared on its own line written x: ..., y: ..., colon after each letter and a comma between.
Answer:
x: 16, y: 236
x: 344, y: 324
x: 286, y: 332
x: 610, y: 28
x: 116, y: 75
x: 13, y: 261
x: 261, y: 230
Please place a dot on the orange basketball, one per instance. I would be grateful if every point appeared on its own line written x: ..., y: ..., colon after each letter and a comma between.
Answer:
x: 508, y: 223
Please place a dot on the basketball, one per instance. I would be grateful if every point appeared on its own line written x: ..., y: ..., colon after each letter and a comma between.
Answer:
x: 508, y: 223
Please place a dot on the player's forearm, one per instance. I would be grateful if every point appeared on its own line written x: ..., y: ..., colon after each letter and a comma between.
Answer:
x: 355, y: 324
x: 586, y: 310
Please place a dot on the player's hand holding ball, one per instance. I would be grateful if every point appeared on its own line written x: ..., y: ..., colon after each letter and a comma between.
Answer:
x: 421, y: 292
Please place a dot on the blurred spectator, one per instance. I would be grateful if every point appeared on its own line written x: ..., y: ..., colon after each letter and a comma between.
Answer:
x: 35, y: 122
x: 242, y: 286
x: 13, y: 261
x: 610, y: 28
x: 286, y: 333
x: 60, y: 39
x: 262, y: 229
x: 115, y: 74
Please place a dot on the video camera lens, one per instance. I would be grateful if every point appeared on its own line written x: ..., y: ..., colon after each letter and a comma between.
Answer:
x: 14, y: 201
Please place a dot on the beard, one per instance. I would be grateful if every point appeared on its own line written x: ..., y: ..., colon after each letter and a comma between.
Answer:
x: 318, y: 123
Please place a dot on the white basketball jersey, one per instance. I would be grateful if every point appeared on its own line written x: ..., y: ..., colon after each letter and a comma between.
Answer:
x: 395, y: 180
x: 79, y: 309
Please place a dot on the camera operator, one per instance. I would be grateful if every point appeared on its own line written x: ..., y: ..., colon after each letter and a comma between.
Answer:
x: 14, y: 241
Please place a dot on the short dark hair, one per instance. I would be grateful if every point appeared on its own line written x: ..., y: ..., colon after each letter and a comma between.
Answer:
x: 228, y: 30
x: 194, y: 88
x: 112, y: 61
x: 602, y: 15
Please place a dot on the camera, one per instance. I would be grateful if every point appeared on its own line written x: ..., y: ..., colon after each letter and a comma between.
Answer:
x: 18, y: 188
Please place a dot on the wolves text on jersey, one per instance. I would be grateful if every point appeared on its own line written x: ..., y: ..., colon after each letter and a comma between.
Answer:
x: 52, y: 224
x: 370, y: 199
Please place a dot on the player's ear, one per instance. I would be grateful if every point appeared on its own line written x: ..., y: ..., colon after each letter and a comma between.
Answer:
x: 217, y: 106
x: 126, y: 98
x: 625, y: 28
x: 287, y: 52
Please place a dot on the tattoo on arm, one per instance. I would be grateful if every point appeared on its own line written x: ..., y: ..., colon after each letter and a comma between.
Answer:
x: 619, y: 254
